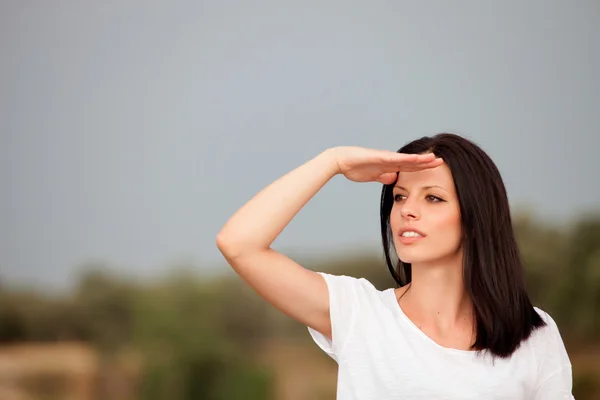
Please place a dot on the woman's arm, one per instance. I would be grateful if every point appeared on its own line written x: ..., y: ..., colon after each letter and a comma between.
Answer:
x: 246, y: 238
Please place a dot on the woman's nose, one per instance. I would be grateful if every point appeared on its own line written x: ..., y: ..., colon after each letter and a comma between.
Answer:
x: 408, y: 211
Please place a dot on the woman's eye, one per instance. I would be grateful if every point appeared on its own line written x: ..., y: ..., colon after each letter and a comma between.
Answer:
x: 434, y: 199
x: 430, y: 198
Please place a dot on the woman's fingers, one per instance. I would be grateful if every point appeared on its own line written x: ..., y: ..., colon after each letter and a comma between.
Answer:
x: 388, y: 178
x: 408, y: 158
x: 409, y: 162
x: 431, y: 164
x: 425, y: 160
x: 416, y: 162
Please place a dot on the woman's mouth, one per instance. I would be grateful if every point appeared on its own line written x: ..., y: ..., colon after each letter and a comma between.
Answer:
x: 408, y: 236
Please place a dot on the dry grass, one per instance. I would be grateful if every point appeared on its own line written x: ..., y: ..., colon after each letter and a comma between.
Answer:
x: 45, y: 371
x: 301, y: 372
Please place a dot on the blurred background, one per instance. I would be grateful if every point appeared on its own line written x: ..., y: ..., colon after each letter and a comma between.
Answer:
x: 131, y: 131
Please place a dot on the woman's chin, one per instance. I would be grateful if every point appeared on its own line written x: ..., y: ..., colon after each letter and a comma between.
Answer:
x: 408, y: 257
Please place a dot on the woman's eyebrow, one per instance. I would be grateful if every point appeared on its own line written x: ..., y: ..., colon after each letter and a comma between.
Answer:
x: 423, y: 187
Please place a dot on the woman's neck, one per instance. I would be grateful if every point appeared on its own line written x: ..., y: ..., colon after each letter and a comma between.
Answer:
x: 437, y: 297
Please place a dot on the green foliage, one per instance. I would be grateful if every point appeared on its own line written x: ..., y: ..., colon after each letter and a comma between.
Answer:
x: 104, y: 303
x: 179, y: 328
x: 563, y: 273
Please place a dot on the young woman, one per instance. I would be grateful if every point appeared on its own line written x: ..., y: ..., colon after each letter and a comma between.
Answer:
x: 458, y: 326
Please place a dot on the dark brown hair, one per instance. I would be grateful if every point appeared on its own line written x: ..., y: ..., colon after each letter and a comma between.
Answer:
x: 492, y: 272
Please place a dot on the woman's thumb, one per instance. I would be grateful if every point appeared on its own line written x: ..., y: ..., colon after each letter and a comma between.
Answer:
x: 388, y: 178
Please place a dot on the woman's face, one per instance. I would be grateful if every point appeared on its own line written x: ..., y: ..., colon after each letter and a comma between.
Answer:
x: 425, y: 216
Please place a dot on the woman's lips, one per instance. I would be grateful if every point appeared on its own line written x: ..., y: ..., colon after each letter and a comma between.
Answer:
x: 410, y: 239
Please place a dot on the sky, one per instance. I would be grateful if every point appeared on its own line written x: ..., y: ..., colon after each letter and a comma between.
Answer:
x: 131, y: 131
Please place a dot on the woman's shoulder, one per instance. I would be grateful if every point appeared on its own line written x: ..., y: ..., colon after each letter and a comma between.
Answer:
x: 546, y: 339
x: 360, y: 289
x: 352, y: 282
x: 550, y: 326
x: 554, y: 370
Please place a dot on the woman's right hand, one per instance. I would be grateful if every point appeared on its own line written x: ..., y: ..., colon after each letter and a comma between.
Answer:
x: 361, y: 164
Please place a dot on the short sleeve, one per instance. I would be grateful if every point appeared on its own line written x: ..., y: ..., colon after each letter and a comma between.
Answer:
x: 555, y: 377
x: 343, y: 292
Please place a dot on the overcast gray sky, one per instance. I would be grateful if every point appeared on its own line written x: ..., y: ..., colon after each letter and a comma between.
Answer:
x: 130, y: 131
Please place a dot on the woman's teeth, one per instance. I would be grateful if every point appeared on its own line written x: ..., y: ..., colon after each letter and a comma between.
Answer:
x: 410, y: 234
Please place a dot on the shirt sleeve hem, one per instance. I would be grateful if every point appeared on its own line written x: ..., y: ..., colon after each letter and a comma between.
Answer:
x: 552, y: 375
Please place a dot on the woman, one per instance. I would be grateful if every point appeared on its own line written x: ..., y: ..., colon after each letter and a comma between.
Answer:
x: 458, y: 326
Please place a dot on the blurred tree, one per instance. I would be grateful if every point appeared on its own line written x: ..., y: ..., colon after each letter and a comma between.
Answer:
x: 187, y: 353
x: 105, y: 303
x: 581, y: 305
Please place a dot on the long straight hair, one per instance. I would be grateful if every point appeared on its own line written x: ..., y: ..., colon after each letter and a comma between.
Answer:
x: 492, y: 268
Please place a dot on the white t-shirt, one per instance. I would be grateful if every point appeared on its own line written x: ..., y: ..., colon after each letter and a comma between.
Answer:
x: 382, y: 355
